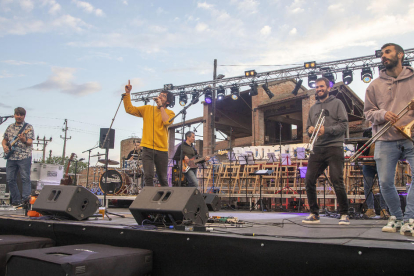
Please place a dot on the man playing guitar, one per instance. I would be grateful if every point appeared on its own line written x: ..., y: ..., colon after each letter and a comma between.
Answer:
x: 189, y: 154
x: 20, y: 158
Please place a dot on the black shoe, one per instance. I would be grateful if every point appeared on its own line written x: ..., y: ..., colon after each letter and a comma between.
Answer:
x: 16, y: 204
x: 26, y: 201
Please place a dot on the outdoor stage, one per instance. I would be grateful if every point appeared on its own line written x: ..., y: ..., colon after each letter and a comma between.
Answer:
x: 267, y: 242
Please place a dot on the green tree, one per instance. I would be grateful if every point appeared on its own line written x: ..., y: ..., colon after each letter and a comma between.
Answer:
x: 57, y: 160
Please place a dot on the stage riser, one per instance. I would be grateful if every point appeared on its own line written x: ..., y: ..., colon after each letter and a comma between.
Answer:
x: 182, y: 253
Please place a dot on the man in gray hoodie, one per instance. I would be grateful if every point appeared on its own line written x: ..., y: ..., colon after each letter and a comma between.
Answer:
x: 328, y: 150
x: 386, y: 96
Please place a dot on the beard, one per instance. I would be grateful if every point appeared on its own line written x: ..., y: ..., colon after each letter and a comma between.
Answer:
x: 325, y: 94
x: 392, y: 63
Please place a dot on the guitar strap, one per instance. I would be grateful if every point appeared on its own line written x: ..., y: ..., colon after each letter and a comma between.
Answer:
x: 21, y: 130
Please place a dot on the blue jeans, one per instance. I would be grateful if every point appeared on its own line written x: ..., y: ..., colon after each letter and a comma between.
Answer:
x: 387, y: 154
x: 191, y: 177
x: 369, y: 173
x: 12, y: 167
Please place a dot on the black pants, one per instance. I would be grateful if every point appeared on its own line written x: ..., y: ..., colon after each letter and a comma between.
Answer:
x: 158, y: 158
x: 318, y: 162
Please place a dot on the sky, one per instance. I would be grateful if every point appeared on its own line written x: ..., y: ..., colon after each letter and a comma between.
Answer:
x: 70, y: 59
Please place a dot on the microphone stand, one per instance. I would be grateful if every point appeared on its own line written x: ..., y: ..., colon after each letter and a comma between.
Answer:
x: 184, y: 112
x: 3, y: 119
x: 106, y: 145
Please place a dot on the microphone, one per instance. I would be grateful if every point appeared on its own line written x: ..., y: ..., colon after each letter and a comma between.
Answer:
x: 81, y: 159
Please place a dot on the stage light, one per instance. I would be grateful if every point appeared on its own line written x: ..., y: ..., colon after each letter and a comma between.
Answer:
x: 221, y: 92
x: 312, y: 77
x: 406, y: 63
x: 235, y: 92
x: 183, y: 98
x: 330, y: 76
x: 253, y: 89
x: 172, y: 104
x: 208, y: 95
x: 366, y: 74
x: 378, y: 53
x: 310, y: 65
x: 250, y: 73
x: 168, y: 86
x: 297, y: 87
x: 220, y: 76
x: 194, y: 98
x: 267, y: 90
x: 347, y: 76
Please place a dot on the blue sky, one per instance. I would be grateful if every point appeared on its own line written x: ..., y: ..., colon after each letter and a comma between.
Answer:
x: 70, y: 59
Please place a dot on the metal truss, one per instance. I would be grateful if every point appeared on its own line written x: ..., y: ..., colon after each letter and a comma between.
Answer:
x: 282, y: 74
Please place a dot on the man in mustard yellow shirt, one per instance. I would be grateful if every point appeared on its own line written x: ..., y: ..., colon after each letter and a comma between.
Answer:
x: 154, y: 140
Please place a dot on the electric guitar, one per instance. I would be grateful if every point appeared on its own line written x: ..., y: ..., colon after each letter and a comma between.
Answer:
x: 67, y: 180
x: 14, y: 141
x: 191, y: 164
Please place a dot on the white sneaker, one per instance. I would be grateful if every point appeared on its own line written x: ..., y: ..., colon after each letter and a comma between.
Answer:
x: 407, y: 228
x: 393, y: 225
x: 344, y: 220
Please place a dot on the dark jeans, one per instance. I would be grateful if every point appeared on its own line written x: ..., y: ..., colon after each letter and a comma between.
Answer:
x: 12, y: 167
x: 158, y: 158
x: 318, y: 162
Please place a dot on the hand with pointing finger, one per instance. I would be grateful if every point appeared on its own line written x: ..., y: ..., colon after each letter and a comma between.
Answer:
x: 128, y: 87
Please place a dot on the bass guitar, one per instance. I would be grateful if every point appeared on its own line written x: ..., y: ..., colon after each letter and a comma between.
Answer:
x: 67, y: 180
x: 191, y: 164
x: 13, y: 142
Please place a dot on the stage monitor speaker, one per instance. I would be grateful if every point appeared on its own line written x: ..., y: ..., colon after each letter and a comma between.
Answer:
x: 213, y: 202
x: 110, y: 142
x: 181, y: 203
x: 71, y: 202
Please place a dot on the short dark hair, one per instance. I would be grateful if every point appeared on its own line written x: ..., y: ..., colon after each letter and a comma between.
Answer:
x: 20, y: 111
x: 397, y: 47
x: 327, y: 82
x: 188, y: 134
x: 170, y: 96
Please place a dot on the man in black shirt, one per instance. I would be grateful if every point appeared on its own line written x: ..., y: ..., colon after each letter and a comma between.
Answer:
x: 137, y: 150
x: 188, y: 153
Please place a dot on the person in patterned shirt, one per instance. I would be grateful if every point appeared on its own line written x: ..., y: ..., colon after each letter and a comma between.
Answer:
x: 21, y: 158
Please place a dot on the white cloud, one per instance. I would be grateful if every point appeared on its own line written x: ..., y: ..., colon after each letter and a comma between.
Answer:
x: 88, y: 8
x: 158, y: 29
x: 62, y: 80
x: 5, y: 74
x: 293, y: 31
x: 125, y: 3
x: 54, y: 7
x: 204, y: 5
x: 336, y: 7
x: 296, y: 7
x: 160, y: 11
x: 26, y: 5
x: 248, y: 6
x: 266, y: 30
x: 201, y: 27
x: 74, y: 23
x: 18, y: 62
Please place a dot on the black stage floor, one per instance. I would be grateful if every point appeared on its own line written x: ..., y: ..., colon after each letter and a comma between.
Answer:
x: 262, y: 242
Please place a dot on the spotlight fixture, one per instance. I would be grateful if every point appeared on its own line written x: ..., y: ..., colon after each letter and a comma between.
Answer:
x: 310, y: 65
x: 378, y: 53
x: 250, y: 73
x: 208, y: 95
x: 366, y: 74
x: 312, y: 77
x: 168, y: 86
x: 267, y: 90
x: 194, y: 96
x: 406, y: 63
x: 235, y: 92
x: 172, y: 103
x: 183, y: 98
x: 220, y: 76
x: 330, y: 76
x: 253, y: 89
x: 221, y: 92
x: 347, y: 76
x: 297, y: 87
x: 145, y: 100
